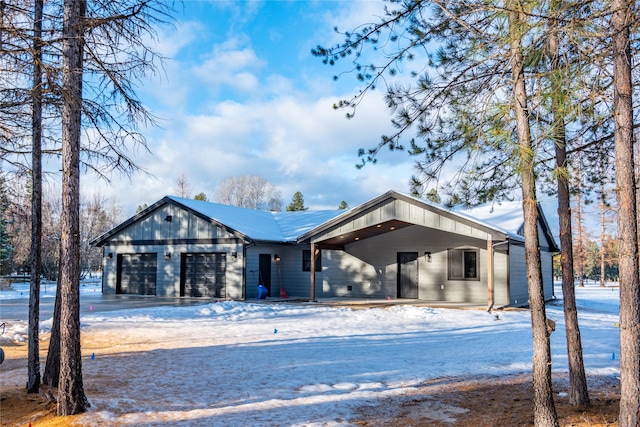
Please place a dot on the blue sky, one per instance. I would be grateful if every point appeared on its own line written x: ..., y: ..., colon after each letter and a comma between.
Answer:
x: 242, y: 95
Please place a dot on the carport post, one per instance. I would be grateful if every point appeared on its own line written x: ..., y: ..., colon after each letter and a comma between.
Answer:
x: 312, y: 267
x: 490, y: 273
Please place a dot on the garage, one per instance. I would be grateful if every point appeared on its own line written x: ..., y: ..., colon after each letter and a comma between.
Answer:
x: 203, y: 275
x: 137, y: 274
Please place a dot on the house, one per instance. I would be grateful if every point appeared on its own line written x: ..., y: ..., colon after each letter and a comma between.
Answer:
x: 393, y: 246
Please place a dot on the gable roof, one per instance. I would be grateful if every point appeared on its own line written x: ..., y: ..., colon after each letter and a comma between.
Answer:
x: 506, y: 220
x: 260, y: 225
x: 248, y: 224
x: 288, y: 227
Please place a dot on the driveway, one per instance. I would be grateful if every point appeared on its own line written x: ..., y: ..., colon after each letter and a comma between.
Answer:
x: 12, y: 310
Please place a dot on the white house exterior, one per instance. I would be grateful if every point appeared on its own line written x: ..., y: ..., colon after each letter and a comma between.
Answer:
x: 393, y: 246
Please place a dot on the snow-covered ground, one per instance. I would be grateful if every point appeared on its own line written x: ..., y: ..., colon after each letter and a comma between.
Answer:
x: 256, y: 364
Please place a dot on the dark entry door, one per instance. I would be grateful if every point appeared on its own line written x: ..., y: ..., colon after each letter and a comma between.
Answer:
x: 203, y: 275
x: 265, y: 272
x: 407, y: 274
x: 137, y: 274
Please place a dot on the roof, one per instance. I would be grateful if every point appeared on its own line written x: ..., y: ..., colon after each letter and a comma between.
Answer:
x: 249, y: 224
x: 509, y: 215
x: 505, y: 218
x: 288, y: 227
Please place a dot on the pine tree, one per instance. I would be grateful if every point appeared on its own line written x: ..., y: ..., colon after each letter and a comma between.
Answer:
x: 624, y: 14
x: 297, y: 203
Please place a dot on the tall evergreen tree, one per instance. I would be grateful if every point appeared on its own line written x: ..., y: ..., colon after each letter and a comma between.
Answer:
x: 35, y: 256
x: 71, y: 396
x: 623, y: 19
x: 5, y: 243
x: 544, y: 413
x: 558, y: 76
x: 297, y: 203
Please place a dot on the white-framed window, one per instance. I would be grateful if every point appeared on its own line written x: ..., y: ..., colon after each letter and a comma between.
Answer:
x: 464, y: 264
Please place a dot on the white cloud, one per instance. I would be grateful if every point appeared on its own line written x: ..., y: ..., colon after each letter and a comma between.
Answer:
x: 230, y: 66
x: 282, y: 127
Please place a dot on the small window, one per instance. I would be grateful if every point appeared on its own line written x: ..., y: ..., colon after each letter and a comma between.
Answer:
x: 464, y: 264
x: 306, y: 261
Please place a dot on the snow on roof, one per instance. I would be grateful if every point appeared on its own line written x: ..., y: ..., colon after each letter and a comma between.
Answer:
x: 506, y: 216
x: 260, y: 225
x: 265, y: 226
x: 295, y: 224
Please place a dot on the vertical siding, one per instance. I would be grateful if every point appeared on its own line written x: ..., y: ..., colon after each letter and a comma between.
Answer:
x: 518, y: 276
x: 501, y: 278
x: 519, y: 282
x: 183, y: 225
x: 547, y: 274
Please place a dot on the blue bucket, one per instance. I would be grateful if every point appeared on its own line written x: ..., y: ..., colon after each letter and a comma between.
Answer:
x: 262, y: 292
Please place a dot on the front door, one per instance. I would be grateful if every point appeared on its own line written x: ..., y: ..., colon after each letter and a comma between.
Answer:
x: 265, y: 272
x: 407, y: 274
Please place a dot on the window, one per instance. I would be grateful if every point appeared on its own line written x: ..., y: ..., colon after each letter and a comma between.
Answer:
x: 306, y: 261
x: 464, y: 264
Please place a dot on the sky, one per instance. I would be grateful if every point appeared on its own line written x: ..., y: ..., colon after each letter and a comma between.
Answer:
x: 266, y: 364
x: 241, y: 94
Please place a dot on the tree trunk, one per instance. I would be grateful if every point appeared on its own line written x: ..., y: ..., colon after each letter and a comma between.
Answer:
x: 603, y: 232
x: 543, y: 406
x: 627, y: 216
x: 51, y: 375
x: 71, y: 397
x: 579, y: 253
x: 35, y: 256
x: 578, y: 391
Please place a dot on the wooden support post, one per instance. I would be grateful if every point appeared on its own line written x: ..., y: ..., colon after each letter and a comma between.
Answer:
x: 490, y: 273
x: 312, y: 293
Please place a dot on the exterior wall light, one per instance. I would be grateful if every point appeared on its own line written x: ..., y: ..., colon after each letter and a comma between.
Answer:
x: 110, y: 255
x: 167, y: 256
x: 168, y: 218
x: 276, y: 258
x: 427, y: 256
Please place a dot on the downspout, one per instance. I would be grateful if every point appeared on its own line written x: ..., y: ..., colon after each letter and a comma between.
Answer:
x: 490, y: 291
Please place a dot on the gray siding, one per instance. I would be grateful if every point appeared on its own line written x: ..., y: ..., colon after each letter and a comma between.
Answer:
x: 501, y: 278
x: 183, y: 225
x: 518, y: 276
x: 153, y: 234
x: 547, y: 274
x: 401, y: 210
x: 370, y: 267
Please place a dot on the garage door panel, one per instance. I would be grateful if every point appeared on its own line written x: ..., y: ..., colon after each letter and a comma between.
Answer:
x: 137, y: 274
x: 204, y: 275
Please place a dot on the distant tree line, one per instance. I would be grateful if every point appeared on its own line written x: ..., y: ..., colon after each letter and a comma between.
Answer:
x: 97, y: 215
